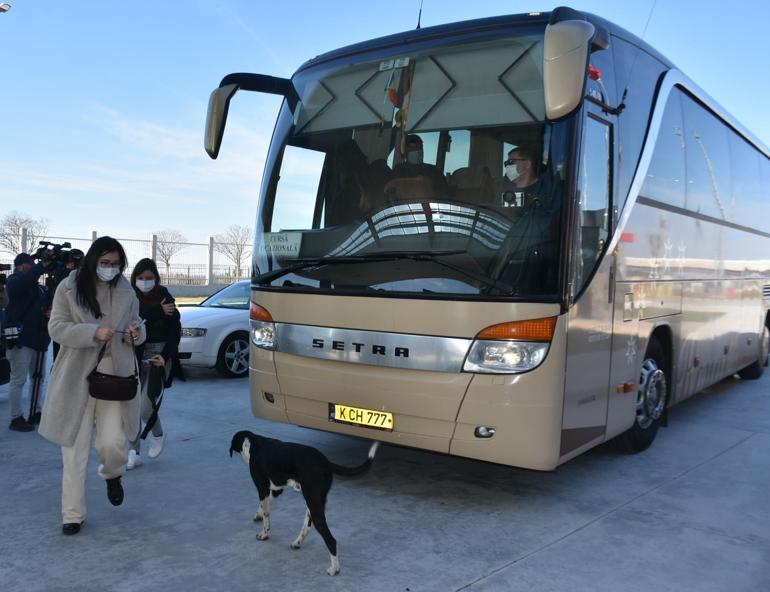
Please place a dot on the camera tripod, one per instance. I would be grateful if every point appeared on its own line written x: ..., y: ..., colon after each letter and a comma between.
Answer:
x: 37, y: 380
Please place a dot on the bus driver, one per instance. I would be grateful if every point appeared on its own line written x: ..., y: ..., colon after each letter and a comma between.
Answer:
x: 520, y: 185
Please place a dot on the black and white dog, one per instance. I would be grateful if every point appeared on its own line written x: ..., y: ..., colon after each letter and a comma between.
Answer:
x: 274, y: 465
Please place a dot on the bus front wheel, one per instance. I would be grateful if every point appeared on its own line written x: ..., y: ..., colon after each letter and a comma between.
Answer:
x: 651, y: 400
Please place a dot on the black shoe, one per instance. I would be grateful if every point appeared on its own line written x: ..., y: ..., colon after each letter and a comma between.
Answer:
x: 19, y: 424
x: 71, y: 528
x: 35, y: 418
x: 115, y: 491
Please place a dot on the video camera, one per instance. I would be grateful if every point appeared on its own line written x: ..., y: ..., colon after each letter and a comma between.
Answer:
x: 58, y: 259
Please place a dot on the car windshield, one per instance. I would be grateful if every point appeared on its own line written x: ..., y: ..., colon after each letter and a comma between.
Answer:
x: 233, y: 296
x: 440, y: 153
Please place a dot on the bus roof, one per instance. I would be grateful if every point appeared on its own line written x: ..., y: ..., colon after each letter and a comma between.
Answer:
x: 488, y: 26
x: 471, y: 28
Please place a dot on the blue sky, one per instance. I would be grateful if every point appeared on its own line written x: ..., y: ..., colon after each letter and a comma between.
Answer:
x: 103, y: 103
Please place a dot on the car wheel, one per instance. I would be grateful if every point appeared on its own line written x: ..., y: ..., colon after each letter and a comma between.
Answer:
x: 233, y: 357
x: 755, y: 370
x: 651, y: 400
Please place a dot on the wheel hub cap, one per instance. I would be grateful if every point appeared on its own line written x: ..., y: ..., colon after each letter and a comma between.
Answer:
x: 651, y: 401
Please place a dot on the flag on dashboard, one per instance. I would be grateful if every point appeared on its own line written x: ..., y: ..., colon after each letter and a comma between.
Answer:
x: 391, y: 89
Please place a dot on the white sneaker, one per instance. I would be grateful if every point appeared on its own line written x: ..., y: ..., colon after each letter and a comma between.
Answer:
x: 156, y: 445
x: 134, y: 460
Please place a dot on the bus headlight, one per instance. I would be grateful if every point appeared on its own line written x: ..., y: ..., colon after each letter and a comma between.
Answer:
x: 509, y: 348
x: 262, y: 327
x: 504, y: 357
x: 263, y: 334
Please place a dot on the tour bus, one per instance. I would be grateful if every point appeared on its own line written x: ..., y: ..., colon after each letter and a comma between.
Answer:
x: 509, y: 239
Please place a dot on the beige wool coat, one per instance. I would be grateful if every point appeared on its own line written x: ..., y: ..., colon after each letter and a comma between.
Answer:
x: 74, y: 328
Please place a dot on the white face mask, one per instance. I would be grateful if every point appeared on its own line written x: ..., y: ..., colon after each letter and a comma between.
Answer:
x: 414, y: 156
x: 145, y: 285
x: 511, y: 171
x: 107, y: 274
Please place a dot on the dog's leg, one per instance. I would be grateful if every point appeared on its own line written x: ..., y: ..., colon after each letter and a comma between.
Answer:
x: 318, y: 517
x: 303, y: 533
x: 264, y: 508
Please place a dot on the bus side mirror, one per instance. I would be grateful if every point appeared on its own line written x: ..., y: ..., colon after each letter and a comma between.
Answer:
x: 219, y: 102
x: 565, y: 60
x: 216, y: 118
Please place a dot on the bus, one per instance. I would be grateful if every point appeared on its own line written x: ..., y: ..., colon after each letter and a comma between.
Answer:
x: 509, y: 239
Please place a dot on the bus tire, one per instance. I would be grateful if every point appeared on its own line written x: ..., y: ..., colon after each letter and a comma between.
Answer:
x: 233, y: 356
x: 651, y: 401
x: 757, y: 368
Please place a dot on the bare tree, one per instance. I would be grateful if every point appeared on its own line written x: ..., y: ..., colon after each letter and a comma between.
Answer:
x: 10, y: 231
x: 168, y: 244
x: 235, y: 244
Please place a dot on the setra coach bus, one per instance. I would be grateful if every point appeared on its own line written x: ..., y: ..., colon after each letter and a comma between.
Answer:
x: 509, y: 239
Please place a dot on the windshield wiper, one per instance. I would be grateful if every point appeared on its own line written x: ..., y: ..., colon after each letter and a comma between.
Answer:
x: 431, y: 256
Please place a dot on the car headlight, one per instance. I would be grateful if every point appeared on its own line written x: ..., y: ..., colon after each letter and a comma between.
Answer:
x: 193, y: 332
x: 262, y: 327
x: 510, y: 348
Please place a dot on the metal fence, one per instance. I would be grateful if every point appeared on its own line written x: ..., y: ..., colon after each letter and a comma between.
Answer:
x: 184, y: 263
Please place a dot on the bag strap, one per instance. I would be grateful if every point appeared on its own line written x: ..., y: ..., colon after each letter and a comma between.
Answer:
x: 101, y: 355
x: 133, y: 351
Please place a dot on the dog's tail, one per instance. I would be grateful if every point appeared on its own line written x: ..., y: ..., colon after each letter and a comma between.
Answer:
x: 362, y: 468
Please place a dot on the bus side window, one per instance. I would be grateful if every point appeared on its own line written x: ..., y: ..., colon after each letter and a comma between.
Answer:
x: 295, y: 197
x: 746, y: 179
x: 764, y: 197
x: 594, y: 199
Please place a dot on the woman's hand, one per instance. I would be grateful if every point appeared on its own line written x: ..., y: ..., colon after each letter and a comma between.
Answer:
x: 104, y: 334
x: 168, y: 307
x: 132, y: 332
x: 157, y: 360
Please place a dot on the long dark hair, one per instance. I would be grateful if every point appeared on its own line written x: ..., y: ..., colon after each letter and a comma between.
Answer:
x: 85, y: 280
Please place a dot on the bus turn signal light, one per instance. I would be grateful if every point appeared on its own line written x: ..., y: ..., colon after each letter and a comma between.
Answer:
x: 259, y: 313
x: 530, y: 330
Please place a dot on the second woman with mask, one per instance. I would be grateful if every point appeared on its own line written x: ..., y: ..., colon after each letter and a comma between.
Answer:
x: 158, y: 356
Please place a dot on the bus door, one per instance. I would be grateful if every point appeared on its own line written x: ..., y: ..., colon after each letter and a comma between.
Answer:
x: 589, y: 327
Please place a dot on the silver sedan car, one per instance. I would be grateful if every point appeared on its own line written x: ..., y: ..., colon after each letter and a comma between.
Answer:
x: 215, y: 333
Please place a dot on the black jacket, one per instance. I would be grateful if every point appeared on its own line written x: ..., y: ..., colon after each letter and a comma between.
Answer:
x: 161, y: 327
x: 25, y: 308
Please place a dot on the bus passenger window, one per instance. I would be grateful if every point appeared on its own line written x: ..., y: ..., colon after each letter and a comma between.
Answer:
x: 594, y: 199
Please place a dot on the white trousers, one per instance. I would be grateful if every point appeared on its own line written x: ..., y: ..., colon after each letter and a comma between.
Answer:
x: 110, y: 446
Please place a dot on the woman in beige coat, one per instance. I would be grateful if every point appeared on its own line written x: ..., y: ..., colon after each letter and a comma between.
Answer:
x: 94, y: 306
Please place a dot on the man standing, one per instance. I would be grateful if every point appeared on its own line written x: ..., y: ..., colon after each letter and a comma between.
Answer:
x: 25, y: 310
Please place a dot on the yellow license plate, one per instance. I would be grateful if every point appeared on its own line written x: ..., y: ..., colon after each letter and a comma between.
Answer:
x: 381, y: 420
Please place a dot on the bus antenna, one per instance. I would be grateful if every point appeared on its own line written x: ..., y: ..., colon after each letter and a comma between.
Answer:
x: 419, y: 15
x: 636, y: 54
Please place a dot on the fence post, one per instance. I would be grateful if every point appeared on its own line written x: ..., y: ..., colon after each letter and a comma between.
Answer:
x: 93, y: 235
x: 23, y: 241
x: 210, y: 279
x: 154, y: 253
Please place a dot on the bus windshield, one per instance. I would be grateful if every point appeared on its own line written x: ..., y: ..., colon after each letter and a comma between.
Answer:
x: 433, y: 170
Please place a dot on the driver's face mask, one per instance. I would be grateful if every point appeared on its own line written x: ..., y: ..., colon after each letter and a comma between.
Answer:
x: 511, y: 171
x: 414, y: 156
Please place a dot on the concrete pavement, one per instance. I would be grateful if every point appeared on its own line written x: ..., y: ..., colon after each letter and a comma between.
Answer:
x: 691, y: 513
